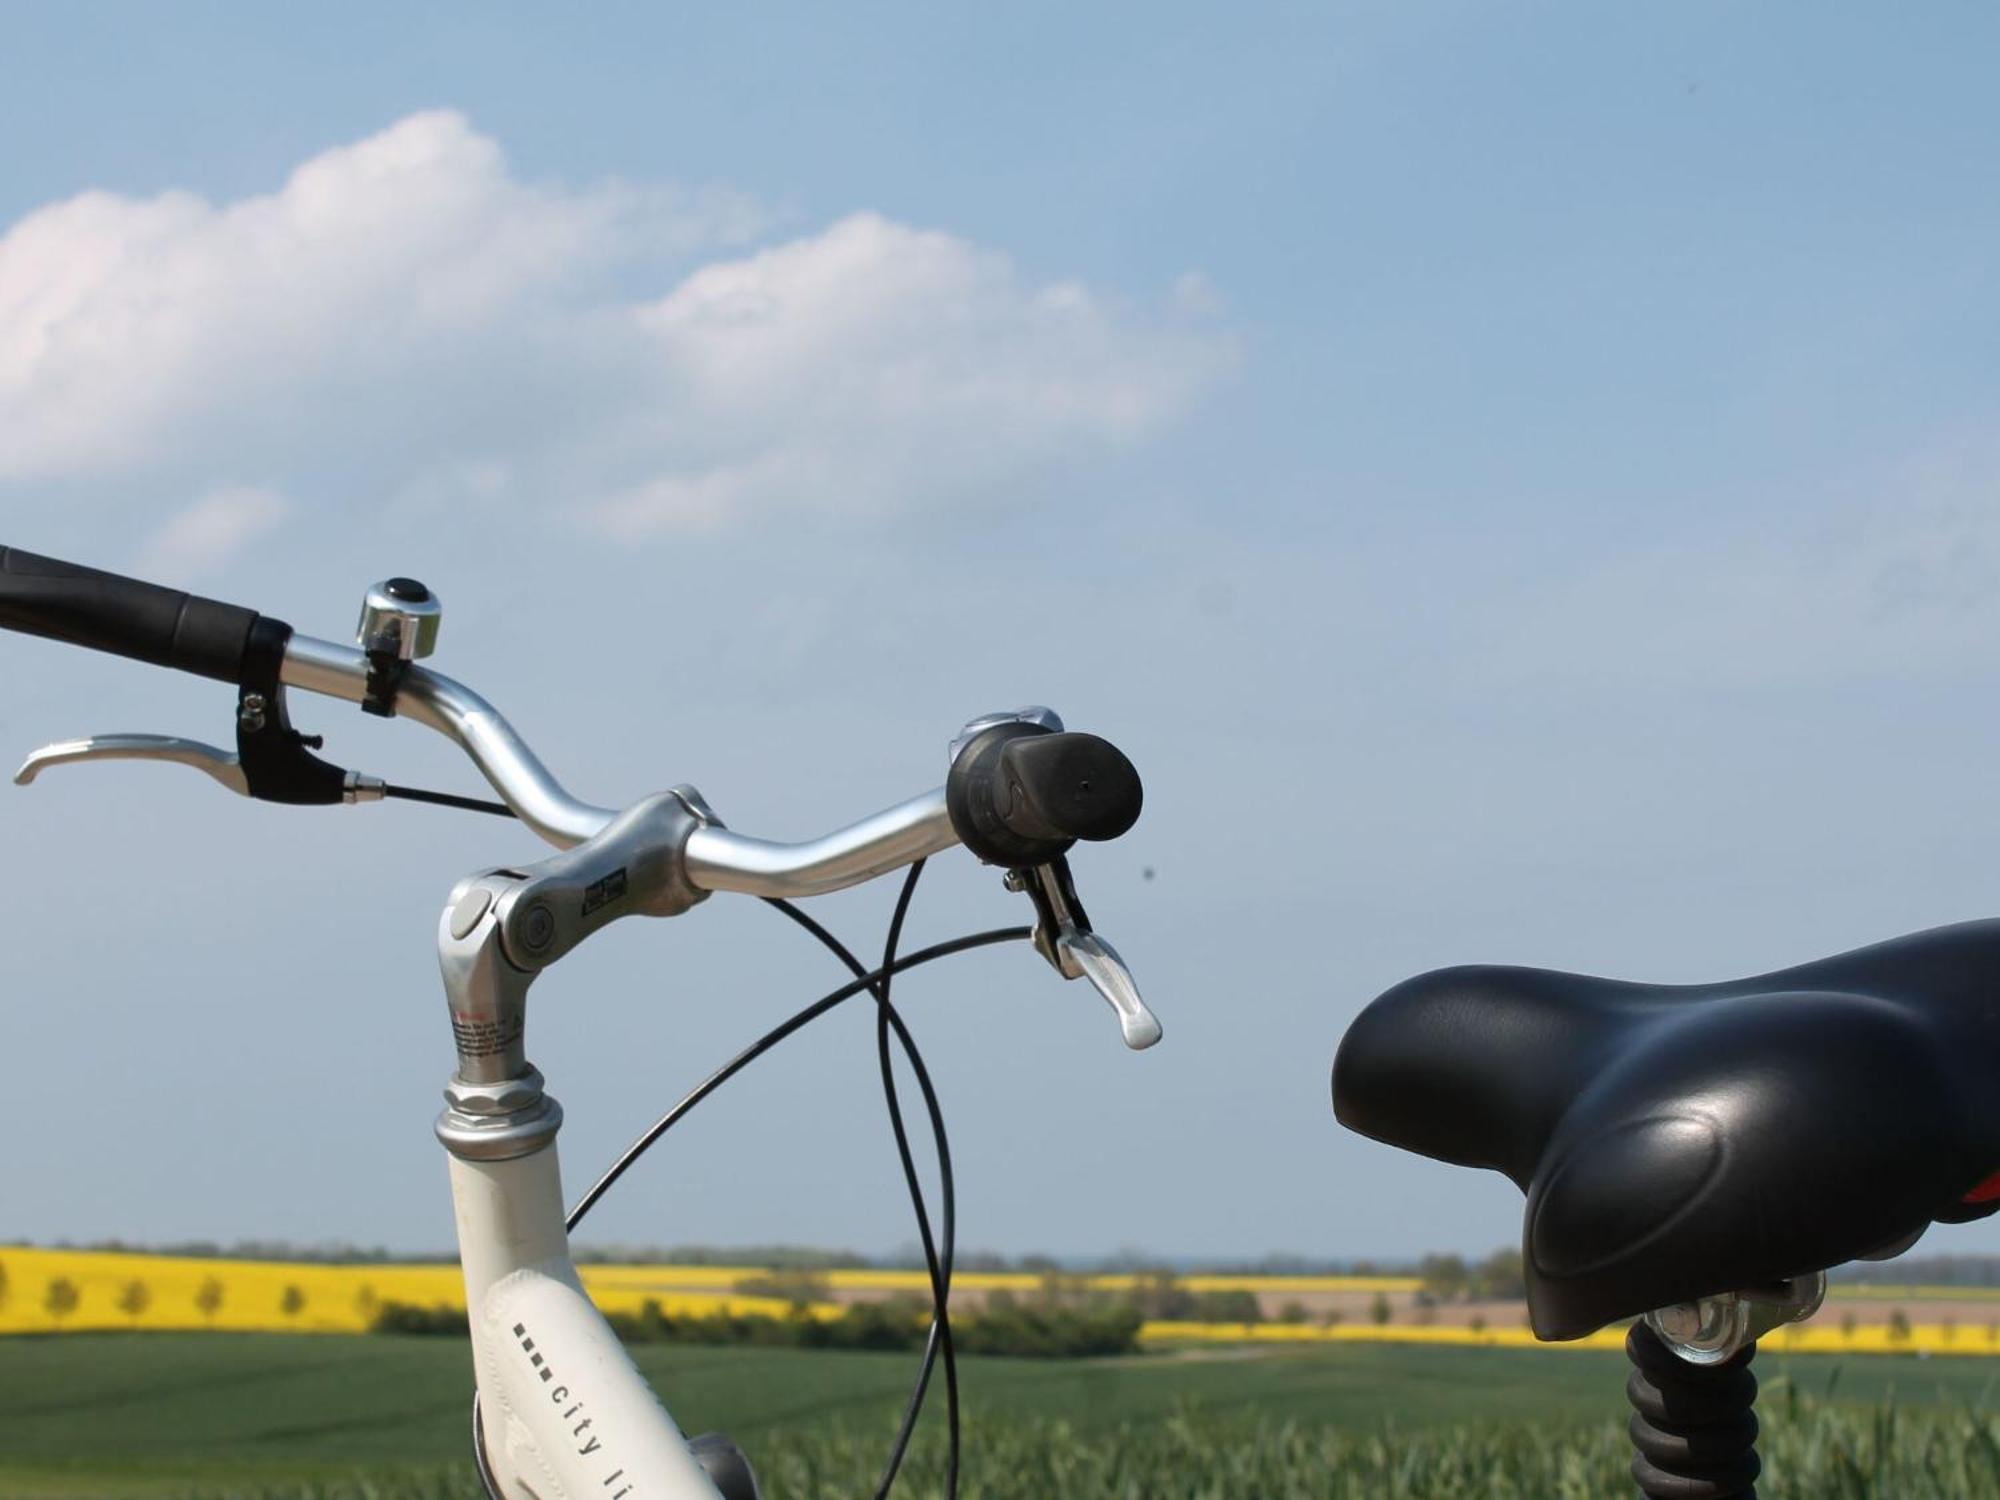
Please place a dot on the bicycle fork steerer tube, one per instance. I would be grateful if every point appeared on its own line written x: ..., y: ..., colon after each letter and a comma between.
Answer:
x: 564, y: 1412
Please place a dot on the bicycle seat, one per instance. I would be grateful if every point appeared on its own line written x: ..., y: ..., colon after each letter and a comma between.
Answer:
x: 1679, y: 1141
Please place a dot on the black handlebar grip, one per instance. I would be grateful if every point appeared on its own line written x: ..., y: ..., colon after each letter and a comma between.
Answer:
x: 1020, y: 794
x: 105, y: 612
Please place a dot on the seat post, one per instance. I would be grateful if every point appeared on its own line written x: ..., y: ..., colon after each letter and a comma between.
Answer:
x: 1694, y: 1427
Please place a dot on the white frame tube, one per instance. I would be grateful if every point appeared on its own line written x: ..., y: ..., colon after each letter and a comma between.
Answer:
x: 566, y: 1414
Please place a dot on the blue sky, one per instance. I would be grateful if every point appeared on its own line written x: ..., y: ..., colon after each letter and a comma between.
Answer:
x: 1520, y: 483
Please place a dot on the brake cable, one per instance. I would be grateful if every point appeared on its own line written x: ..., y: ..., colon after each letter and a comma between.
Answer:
x: 939, y: 1267
x: 940, y: 1281
x: 938, y: 1263
x: 449, y: 799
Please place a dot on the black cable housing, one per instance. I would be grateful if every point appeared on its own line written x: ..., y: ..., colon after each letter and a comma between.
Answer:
x: 450, y: 799
x: 888, y: 1019
x: 938, y: 1262
x: 939, y: 1340
x: 798, y: 1021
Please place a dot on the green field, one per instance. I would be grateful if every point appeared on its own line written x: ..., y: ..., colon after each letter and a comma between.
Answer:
x: 174, y: 1414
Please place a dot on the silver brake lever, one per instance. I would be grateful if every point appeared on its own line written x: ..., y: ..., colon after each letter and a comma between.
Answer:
x: 219, y: 765
x: 1064, y: 938
x: 1099, y: 962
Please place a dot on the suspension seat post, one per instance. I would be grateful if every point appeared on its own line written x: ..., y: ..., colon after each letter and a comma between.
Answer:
x: 1693, y: 1427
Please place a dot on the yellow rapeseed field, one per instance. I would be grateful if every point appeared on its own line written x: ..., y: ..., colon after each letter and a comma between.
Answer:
x: 107, y: 1290
x: 63, y: 1291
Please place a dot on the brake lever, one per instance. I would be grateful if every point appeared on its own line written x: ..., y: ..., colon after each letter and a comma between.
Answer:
x: 275, y: 778
x: 1064, y: 937
x: 223, y: 767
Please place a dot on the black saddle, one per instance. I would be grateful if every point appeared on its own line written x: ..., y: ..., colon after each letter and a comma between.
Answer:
x: 1680, y: 1141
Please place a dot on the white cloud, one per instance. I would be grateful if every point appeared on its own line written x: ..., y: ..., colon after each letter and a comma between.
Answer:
x: 408, y: 304
x: 873, y: 364
x: 211, y: 533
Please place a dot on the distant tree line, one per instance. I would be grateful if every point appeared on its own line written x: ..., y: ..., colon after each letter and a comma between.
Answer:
x: 1154, y: 1296
x: 775, y: 1257
x: 1924, y: 1270
x: 1162, y: 1297
x: 1451, y: 1278
x: 1032, y: 1331
x: 1064, y: 1316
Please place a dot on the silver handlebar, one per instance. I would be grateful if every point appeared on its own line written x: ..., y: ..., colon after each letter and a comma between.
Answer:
x: 717, y: 859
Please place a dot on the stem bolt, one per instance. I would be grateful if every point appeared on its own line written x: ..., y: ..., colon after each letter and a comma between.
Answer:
x: 538, y: 927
